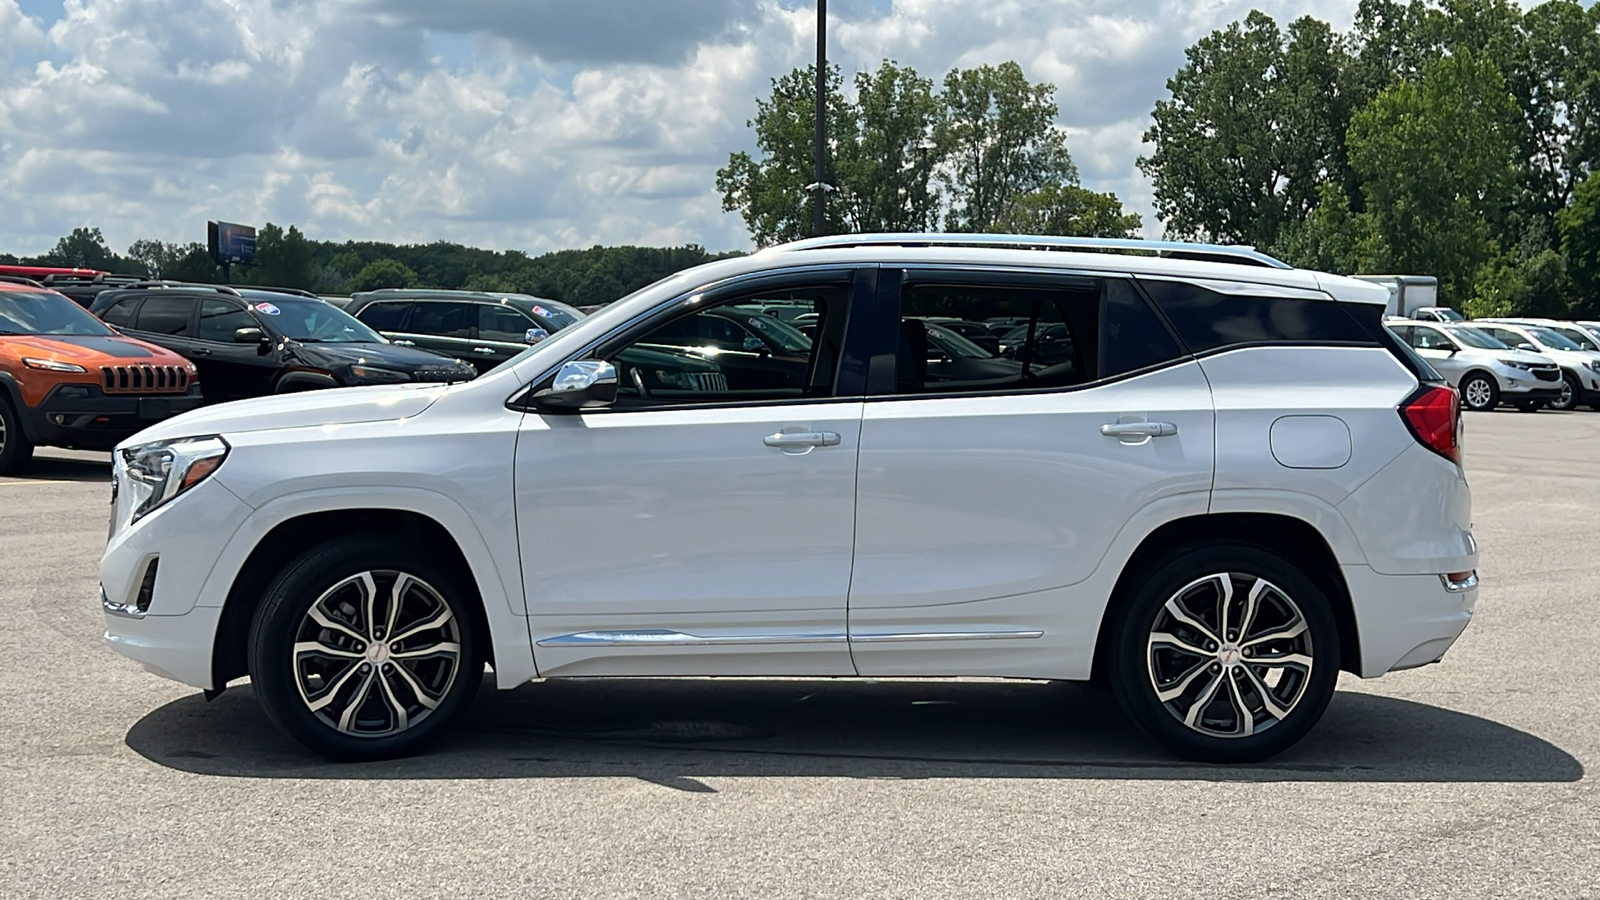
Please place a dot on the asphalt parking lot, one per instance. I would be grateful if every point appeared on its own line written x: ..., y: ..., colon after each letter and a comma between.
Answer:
x: 1473, y: 778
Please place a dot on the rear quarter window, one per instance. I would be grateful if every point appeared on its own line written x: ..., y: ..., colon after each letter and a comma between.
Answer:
x: 1210, y: 320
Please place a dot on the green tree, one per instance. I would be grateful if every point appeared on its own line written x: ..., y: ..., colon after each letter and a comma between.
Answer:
x: 1254, y: 127
x: 1434, y: 161
x: 1580, y: 244
x: 85, y: 248
x: 1071, y: 210
x: 887, y: 159
x: 384, y: 273
x: 283, y: 259
x: 999, y: 140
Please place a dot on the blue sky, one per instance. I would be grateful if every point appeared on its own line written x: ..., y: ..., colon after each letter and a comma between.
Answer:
x: 527, y: 124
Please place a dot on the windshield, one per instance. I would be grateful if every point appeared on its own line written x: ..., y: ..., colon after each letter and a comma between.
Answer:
x: 556, y: 315
x: 1446, y: 314
x: 1472, y: 337
x: 1552, y: 340
x: 790, y: 338
x: 26, y: 312
x: 954, y: 344
x: 312, y: 321
x: 1577, y: 336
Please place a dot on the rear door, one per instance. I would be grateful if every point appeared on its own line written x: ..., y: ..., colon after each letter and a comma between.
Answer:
x: 983, y: 495
x: 444, y: 326
x: 167, y: 320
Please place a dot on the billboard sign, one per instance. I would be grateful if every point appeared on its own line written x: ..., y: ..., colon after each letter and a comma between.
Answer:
x: 230, y: 243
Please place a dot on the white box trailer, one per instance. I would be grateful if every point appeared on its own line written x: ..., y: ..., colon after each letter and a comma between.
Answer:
x: 1407, y: 293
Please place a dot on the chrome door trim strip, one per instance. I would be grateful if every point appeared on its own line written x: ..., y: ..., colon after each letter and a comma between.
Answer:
x: 668, y: 638
x: 894, y: 636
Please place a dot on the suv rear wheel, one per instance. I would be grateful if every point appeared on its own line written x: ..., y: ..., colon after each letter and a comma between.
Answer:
x: 15, y: 448
x: 1225, y: 653
x: 364, y: 648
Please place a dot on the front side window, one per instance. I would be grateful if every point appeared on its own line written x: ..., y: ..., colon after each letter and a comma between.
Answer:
x: 1578, y: 338
x: 1072, y: 333
x: 503, y: 323
x: 219, y: 319
x: 731, y: 353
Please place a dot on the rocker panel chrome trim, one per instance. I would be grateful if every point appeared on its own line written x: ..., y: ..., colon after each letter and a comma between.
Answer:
x: 666, y: 638
x: 891, y: 637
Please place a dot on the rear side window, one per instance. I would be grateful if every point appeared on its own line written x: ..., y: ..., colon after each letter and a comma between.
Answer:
x: 443, y: 319
x: 1134, y: 338
x: 166, y: 315
x: 120, y: 313
x: 1208, y: 320
x: 387, y: 316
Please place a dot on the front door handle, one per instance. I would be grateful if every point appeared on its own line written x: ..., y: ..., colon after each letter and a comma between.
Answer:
x: 483, y: 351
x: 404, y: 343
x: 201, y: 351
x: 1139, y: 429
x: 803, y: 439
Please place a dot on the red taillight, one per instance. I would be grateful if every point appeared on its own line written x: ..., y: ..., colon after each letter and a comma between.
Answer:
x: 1434, y: 415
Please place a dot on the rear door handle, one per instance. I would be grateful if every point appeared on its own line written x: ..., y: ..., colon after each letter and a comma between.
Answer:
x: 802, y: 439
x: 1139, y: 429
x: 483, y: 351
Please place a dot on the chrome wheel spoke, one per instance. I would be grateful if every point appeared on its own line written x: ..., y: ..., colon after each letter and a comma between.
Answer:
x: 1283, y: 659
x: 1177, y: 611
x: 1183, y: 684
x: 369, y: 602
x: 396, y: 596
x: 322, y: 619
x: 1244, y: 719
x: 400, y: 720
x: 1192, y: 717
x: 1268, y: 701
x: 426, y: 699
x: 443, y: 648
x: 319, y: 648
x: 1173, y: 642
x: 1252, y: 603
x: 439, y: 620
x: 348, y: 718
x: 1287, y: 633
x: 333, y: 692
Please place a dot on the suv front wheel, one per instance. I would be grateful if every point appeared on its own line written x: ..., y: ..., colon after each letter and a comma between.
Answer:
x: 1225, y: 653
x: 15, y: 449
x: 364, y: 648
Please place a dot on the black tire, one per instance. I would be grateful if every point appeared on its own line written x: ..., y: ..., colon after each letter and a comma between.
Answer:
x: 1571, y: 394
x: 15, y: 448
x: 392, y: 717
x: 1479, y: 392
x: 1190, y: 577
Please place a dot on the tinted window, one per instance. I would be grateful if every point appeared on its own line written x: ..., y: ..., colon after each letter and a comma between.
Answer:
x: 443, y: 319
x: 502, y: 323
x: 1134, y: 338
x: 717, y: 356
x: 121, y: 312
x: 166, y: 315
x: 387, y: 316
x: 1474, y: 338
x: 1207, y: 319
x: 219, y: 319
x: 1430, y: 339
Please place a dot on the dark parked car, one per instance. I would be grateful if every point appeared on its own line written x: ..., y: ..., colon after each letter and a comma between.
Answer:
x: 249, y: 342
x: 485, y: 329
x: 756, y: 350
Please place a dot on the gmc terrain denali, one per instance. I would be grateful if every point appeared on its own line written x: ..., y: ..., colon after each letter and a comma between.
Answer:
x: 1222, y: 483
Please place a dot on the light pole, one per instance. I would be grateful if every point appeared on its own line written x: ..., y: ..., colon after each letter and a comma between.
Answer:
x: 819, y: 186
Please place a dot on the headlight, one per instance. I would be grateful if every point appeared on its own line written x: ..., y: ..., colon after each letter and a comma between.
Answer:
x: 50, y: 365
x: 1593, y: 366
x: 371, y: 375
x: 1526, y: 367
x: 152, y: 474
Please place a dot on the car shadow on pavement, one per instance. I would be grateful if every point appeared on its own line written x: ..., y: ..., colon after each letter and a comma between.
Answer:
x: 674, y: 732
x: 61, y: 468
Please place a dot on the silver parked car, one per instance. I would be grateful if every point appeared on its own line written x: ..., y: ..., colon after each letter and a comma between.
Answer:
x: 1485, y: 370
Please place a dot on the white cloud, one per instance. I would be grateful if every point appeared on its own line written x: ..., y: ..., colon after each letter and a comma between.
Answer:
x: 532, y: 124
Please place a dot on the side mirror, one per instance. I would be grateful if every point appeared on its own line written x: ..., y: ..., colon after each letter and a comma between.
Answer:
x: 753, y: 344
x: 534, y: 335
x: 1524, y: 345
x: 249, y: 336
x: 580, y: 384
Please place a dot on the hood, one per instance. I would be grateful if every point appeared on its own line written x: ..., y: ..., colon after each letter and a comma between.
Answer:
x: 383, y: 356
x: 309, y: 409
x: 94, y: 350
x: 1522, y: 356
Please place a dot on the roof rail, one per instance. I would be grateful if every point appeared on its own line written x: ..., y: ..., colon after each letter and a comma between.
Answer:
x: 18, y: 279
x: 97, y: 278
x: 184, y: 285
x: 293, y: 292
x: 1231, y: 253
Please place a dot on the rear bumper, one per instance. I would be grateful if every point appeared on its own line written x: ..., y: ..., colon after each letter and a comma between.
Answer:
x: 1405, y: 621
x: 84, y: 417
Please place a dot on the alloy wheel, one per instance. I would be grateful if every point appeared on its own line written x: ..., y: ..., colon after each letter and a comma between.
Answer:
x: 1479, y: 393
x: 1568, y: 398
x: 377, y: 653
x: 1230, y: 655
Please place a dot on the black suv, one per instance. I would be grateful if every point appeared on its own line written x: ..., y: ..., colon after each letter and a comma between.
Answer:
x: 249, y: 342
x: 485, y: 329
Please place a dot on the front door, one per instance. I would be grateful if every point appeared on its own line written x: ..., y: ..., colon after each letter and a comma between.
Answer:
x: 230, y: 370
x: 988, y: 491
x: 692, y: 529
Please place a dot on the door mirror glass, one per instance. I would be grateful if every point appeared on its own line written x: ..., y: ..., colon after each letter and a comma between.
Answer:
x: 580, y: 384
x: 1524, y: 345
x: 249, y: 336
x: 534, y: 335
x: 753, y: 344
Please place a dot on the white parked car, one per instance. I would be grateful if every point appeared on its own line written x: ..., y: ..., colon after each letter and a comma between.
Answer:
x: 1485, y: 371
x: 1222, y: 483
x: 1437, y: 314
x: 1580, y: 368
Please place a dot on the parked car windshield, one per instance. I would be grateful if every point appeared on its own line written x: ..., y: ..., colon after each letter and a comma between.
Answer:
x: 954, y: 344
x: 1552, y: 340
x: 559, y: 314
x: 780, y: 332
x: 1577, y: 336
x: 1475, y: 338
x: 313, y: 321
x: 25, y: 312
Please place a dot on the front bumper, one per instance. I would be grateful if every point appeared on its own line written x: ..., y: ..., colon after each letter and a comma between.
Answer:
x: 84, y: 417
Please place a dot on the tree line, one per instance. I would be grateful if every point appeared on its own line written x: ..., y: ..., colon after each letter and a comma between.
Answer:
x: 285, y: 257
x: 1454, y: 138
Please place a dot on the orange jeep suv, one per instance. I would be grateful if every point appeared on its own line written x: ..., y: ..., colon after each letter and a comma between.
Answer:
x: 68, y: 380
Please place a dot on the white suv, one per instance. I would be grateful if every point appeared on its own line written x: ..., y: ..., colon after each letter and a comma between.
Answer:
x: 1221, y: 483
x: 1580, y: 368
x: 1485, y: 371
